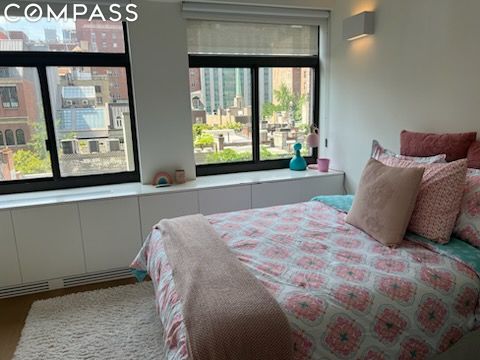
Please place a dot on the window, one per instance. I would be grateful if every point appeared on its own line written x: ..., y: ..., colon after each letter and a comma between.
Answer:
x: 9, y: 97
x: 63, y: 118
x: 20, y: 135
x: 9, y: 138
x: 253, y: 93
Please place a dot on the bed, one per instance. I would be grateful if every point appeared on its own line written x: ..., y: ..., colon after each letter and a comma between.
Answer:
x: 345, y: 295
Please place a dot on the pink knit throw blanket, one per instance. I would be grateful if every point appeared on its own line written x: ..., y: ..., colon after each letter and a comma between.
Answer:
x: 228, y: 314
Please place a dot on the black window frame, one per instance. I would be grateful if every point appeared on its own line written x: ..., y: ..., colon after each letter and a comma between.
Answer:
x: 254, y: 63
x: 41, y: 60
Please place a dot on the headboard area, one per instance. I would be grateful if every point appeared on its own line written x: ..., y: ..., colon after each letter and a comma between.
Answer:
x: 455, y: 146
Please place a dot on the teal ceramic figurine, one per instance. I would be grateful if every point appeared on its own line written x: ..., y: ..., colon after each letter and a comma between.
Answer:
x: 298, y: 163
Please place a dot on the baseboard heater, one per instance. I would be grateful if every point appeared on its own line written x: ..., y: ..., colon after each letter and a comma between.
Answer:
x: 69, y: 281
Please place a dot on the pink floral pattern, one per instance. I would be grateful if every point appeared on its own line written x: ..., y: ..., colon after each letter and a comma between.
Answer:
x: 343, y: 336
x: 414, y: 349
x: 389, y: 325
x: 305, y: 306
x: 438, y: 279
x: 468, y: 223
x: 334, y: 284
x: 450, y: 338
x: 431, y: 314
x: 397, y: 289
x: 353, y: 297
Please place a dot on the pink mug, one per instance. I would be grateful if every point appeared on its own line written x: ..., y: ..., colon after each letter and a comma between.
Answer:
x: 323, y: 164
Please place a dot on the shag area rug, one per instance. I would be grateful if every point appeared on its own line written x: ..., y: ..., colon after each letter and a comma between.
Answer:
x: 116, y: 323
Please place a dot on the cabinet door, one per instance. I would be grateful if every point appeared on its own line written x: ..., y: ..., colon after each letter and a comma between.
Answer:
x: 275, y: 193
x: 49, y: 241
x: 154, y: 208
x: 111, y: 232
x: 9, y: 268
x: 322, y: 185
x: 227, y: 199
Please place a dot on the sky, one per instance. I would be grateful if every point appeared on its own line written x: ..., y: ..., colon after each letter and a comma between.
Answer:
x: 35, y: 31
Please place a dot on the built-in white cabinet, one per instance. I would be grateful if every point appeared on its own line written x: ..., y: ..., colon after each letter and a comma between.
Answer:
x: 226, y: 199
x: 111, y: 232
x: 88, y: 238
x: 275, y: 193
x: 328, y: 185
x: 9, y: 267
x: 154, y: 208
x: 49, y: 241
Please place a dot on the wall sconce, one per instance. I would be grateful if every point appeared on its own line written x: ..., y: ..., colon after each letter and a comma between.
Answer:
x: 359, y: 25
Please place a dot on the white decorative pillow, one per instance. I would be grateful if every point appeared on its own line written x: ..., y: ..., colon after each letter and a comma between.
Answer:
x: 467, y: 227
x: 380, y: 153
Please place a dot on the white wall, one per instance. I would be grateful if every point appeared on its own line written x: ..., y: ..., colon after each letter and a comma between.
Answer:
x: 160, y: 78
x: 420, y: 71
x: 159, y: 61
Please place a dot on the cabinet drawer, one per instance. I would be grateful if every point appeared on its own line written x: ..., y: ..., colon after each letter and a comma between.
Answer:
x: 220, y: 200
x: 49, y: 242
x: 275, y: 193
x: 111, y: 232
x: 166, y: 206
x: 9, y: 267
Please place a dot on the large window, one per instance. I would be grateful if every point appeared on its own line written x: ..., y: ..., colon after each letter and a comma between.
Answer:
x: 254, y: 94
x: 66, y: 113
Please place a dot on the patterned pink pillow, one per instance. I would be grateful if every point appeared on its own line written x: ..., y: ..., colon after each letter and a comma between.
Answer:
x: 468, y: 223
x: 439, y: 199
x: 379, y: 153
x: 427, y: 144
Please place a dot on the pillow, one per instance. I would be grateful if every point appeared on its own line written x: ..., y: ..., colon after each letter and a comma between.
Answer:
x: 384, y: 201
x: 455, y: 146
x: 473, y: 155
x: 468, y: 222
x: 439, y: 198
x: 379, y: 152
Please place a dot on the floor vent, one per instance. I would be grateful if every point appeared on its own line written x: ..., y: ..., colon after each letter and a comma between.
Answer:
x: 97, y: 277
x: 70, y: 281
x: 19, y: 290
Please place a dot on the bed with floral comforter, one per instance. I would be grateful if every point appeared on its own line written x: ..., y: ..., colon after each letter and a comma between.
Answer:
x: 346, y: 295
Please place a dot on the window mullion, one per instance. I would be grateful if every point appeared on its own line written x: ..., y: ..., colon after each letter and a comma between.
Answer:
x: 255, y: 114
x: 49, y: 122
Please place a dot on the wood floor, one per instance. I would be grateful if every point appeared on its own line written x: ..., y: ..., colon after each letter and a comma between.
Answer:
x: 14, y: 311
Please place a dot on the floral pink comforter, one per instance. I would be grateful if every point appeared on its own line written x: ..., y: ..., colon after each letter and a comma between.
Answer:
x: 345, y: 295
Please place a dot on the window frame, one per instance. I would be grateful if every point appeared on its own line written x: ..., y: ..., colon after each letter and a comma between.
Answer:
x: 41, y: 60
x: 254, y: 63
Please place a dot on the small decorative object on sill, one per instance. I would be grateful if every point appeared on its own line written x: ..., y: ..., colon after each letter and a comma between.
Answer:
x: 298, y: 163
x: 162, y: 179
x: 323, y: 164
x: 180, y: 176
x: 313, y: 139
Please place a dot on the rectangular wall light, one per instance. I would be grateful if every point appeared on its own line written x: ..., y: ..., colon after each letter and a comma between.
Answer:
x: 359, y: 25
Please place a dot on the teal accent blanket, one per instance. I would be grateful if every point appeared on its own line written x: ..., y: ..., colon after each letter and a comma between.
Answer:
x: 456, y: 248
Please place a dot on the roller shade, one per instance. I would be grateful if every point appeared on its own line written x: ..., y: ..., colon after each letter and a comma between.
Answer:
x: 254, y: 13
x: 233, y: 38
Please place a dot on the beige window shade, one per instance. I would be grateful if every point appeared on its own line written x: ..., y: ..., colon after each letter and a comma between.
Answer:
x: 236, y: 38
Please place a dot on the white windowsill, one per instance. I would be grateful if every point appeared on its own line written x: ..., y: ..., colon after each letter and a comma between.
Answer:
x: 136, y: 189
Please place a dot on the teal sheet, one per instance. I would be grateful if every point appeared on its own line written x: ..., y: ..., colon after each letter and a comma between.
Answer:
x: 456, y: 248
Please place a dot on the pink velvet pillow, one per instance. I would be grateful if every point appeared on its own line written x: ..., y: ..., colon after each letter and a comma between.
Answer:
x: 473, y: 155
x: 455, y: 146
x: 439, y: 199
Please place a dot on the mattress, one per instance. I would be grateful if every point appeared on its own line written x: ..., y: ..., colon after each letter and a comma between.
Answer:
x: 345, y: 295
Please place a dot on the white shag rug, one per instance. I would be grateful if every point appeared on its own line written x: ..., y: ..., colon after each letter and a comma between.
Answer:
x: 116, y: 323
